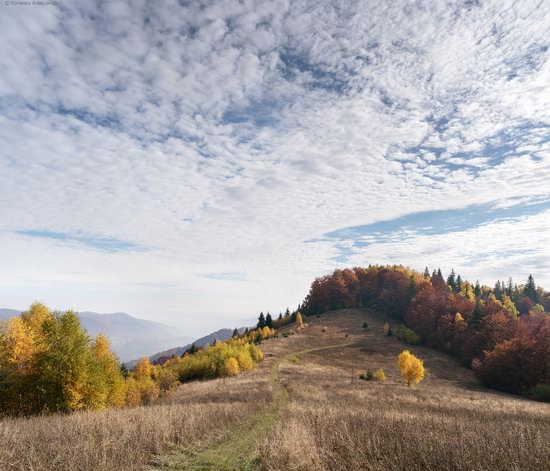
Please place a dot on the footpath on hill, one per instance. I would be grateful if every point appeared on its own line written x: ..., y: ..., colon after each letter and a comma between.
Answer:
x: 236, y: 448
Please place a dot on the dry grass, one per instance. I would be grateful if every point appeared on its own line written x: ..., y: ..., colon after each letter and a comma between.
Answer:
x: 126, y: 439
x: 446, y: 423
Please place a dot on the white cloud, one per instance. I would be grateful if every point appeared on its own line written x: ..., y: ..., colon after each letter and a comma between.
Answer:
x: 223, y: 135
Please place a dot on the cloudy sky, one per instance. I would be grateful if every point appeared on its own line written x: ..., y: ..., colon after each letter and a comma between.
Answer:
x: 197, y: 162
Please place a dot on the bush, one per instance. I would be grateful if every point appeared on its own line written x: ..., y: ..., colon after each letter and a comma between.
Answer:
x: 407, y: 335
x: 387, y: 330
x: 379, y: 375
x: 366, y: 375
x: 325, y: 328
x: 376, y: 375
x: 365, y: 325
x: 232, y: 367
x: 540, y: 392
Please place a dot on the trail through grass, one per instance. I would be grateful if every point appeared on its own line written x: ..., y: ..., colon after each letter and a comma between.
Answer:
x: 236, y: 448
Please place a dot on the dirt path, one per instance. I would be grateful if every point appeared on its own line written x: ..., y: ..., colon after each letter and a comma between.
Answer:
x: 237, y: 447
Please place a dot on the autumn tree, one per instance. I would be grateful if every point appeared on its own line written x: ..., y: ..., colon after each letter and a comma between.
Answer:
x: 412, y: 369
x: 143, y: 368
x: 299, y: 320
x: 509, y: 305
x: 110, y: 386
x: 232, y: 367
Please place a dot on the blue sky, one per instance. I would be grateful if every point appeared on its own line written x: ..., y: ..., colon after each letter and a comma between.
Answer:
x: 198, y: 163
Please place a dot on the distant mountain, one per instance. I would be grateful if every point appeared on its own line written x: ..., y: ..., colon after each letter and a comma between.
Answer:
x: 130, y: 337
x: 220, y: 335
x: 5, y: 314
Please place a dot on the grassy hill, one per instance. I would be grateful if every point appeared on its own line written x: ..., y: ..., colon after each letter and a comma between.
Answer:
x: 303, y: 408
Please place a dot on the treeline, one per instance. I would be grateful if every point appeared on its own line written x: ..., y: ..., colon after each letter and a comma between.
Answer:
x: 502, y: 332
x: 282, y: 320
x: 48, y: 363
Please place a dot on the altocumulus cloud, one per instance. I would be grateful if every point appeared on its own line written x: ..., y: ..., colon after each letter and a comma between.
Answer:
x: 227, y: 136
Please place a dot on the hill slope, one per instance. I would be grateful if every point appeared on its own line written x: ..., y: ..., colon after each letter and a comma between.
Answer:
x: 300, y: 409
x: 220, y: 336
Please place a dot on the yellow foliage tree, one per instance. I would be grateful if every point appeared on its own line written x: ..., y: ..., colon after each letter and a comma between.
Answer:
x: 299, y: 320
x: 412, y: 368
x: 468, y: 292
x: 133, y: 392
x: 459, y: 318
x: 509, y: 305
x: 143, y: 368
x: 112, y: 387
x: 232, y: 366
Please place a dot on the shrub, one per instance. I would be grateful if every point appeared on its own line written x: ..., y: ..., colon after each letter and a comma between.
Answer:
x: 379, y: 375
x: 244, y: 361
x: 366, y: 375
x: 365, y: 325
x: 285, y: 334
x: 412, y: 368
x: 376, y: 375
x: 325, y: 328
x: 232, y: 367
x: 540, y: 392
x: 407, y: 335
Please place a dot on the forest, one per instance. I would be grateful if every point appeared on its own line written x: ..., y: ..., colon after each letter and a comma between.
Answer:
x: 501, y: 332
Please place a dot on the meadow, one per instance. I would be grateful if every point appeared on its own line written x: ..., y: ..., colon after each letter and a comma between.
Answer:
x: 302, y: 411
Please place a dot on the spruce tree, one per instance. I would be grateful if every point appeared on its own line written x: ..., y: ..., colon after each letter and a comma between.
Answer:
x: 235, y: 333
x: 261, y: 321
x: 269, y: 321
x: 458, y: 283
x: 426, y: 273
x: 451, y: 280
x: 280, y: 318
x: 509, y: 287
x: 530, y: 289
x: 477, y: 311
x: 498, y: 290
x: 477, y: 289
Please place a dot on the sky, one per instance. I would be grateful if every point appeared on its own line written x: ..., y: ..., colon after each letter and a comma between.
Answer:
x: 197, y: 162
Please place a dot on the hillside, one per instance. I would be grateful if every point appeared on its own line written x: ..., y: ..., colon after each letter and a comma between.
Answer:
x: 220, y: 335
x: 304, y: 408
x: 130, y: 336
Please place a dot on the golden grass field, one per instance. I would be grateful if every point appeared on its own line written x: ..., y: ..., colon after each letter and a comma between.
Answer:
x: 302, y: 412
